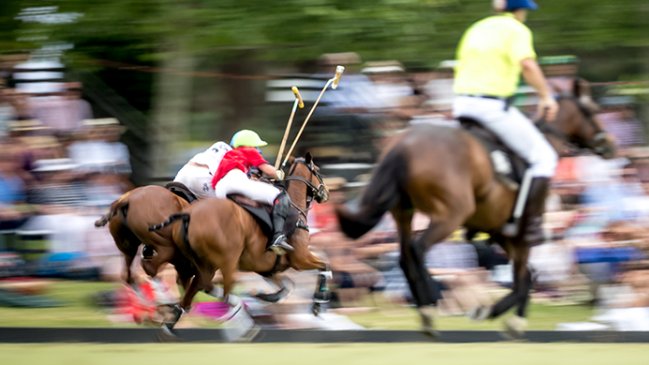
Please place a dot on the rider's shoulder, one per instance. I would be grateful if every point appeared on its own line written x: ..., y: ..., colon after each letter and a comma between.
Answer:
x: 220, y: 146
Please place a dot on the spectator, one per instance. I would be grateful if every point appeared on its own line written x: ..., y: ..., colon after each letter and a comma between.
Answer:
x: 100, y: 156
x: 619, y: 119
x: 61, y: 109
x: 12, y: 191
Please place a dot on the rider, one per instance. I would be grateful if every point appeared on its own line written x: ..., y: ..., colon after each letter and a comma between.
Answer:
x: 491, y: 55
x: 231, y: 177
x: 197, y: 173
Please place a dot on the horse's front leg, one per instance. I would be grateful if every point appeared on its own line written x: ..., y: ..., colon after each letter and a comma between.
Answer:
x: 518, y: 296
x: 516, y: 325
x: 303, y: 259
x: 278, y: 281
x: 322, y: 294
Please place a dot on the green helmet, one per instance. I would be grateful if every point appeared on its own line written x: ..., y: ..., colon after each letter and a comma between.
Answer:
x: 247, y: 138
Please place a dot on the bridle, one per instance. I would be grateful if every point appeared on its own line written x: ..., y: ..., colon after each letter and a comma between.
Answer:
x: 318, y: 193
x: 598, y: 143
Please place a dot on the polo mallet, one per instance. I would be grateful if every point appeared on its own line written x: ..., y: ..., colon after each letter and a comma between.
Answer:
x: 334, y: 85
x: 297, y: 103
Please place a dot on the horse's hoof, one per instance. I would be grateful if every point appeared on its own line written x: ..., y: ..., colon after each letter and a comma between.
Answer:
x: 250, y: 335
x: 479, y: 313
x: 427, y: 315
x: 316, y: 309
x: 268, y: 298
x: 515, y: 327
x: 431, y: 332
x: 167, y: 334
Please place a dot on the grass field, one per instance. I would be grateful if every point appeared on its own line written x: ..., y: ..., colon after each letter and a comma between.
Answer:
x: 307, y: 354
x: 78, y: 310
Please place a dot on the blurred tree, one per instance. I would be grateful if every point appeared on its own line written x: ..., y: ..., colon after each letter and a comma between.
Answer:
x: 172, y: 39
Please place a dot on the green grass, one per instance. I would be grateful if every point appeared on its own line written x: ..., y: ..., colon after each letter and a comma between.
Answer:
x: 317, y: 354
x: 540, y: 316
x: 78, y: 310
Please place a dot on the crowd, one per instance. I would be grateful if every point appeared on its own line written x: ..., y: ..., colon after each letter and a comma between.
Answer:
x: 60, y: 168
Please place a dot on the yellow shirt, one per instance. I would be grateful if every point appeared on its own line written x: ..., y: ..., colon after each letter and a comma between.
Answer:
x: 489, y: 56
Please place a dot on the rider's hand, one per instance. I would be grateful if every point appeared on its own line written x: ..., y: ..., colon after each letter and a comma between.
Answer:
x: 548, y: 108
x: 280, y: 174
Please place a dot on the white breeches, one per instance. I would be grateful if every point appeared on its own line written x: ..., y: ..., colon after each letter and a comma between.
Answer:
x: 236, y: 181
x: 515, y: 130
x: 197, y: 179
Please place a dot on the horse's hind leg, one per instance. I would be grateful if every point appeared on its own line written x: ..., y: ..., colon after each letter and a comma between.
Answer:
x: 128, y: 244
x: 228, y: 271
x: 423, y: 287
x: 519, y: 295
x: 201, y: 280
x: 128, y: 263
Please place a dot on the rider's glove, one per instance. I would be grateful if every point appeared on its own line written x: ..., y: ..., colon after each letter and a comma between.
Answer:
x: 280, y: 174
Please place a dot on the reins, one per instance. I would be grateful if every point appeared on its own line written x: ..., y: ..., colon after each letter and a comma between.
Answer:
x: 314, y: 191
x: 550, y: 129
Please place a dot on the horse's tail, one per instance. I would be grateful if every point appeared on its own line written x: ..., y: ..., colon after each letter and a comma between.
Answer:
x: 121, y: 204
x: 172, y: 218
x: 381, y: 194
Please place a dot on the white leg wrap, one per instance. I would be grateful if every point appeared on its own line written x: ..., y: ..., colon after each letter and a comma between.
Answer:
x: 216, y: 292
x: 327, y: 274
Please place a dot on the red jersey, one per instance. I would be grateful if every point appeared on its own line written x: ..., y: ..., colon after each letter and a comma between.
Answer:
x: 242, y: 158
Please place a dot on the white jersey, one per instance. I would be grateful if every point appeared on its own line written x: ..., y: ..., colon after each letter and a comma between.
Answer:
x: 212, y: 156
x: 197, y: 173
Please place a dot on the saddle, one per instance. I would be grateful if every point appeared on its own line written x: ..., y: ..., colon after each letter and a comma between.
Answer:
x: 181, y: 190
x: 508, y: 165
x: 263, y: 215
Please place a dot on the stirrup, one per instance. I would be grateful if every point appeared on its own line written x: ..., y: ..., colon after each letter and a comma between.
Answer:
x: 280, y: 246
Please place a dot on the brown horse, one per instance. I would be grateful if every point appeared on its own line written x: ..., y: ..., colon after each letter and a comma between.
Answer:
x: 128, y: 220
x: 221, y: 235
x: 446, y: 173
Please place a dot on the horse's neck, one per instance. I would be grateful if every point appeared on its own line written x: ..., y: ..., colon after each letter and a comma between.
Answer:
x: 558, y: 131
x: 297, y: 192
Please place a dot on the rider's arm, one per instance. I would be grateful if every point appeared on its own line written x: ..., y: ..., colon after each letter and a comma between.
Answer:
x: 269, y: 170
x: 534, y: 77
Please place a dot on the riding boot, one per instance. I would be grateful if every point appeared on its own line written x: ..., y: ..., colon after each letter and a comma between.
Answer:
x: 532, y: 222
x: 281, y: 209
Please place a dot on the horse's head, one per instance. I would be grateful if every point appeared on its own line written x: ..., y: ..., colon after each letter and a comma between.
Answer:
x: 304, y: 170
x: 577, y: 124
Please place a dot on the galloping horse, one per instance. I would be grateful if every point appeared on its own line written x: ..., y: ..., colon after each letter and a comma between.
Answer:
x: 446, y: 173
x: 218, y: 234
x: 128, y: 220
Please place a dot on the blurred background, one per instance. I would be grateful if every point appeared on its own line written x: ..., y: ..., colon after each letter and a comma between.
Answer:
x: 99, y: 97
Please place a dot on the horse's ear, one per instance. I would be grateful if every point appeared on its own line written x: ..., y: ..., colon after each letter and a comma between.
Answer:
x: 580, y: 88
x: 308, y: 158
x: 576, y: 88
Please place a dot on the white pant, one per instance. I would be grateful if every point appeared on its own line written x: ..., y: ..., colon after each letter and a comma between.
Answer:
x: 515, y: 130
x: 236, y: 181
x: 197, y: 179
